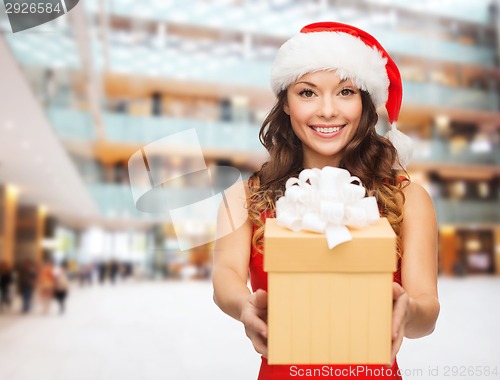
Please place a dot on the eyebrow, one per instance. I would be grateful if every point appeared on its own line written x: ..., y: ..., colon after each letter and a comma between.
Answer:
x: 313, y: 85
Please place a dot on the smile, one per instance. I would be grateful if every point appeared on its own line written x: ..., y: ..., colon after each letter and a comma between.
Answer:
x: 327, y: 129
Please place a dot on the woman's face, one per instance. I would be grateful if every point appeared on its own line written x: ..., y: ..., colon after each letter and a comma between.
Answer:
x: 324, y: 112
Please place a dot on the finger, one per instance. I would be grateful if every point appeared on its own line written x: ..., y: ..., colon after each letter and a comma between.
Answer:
x: 398, y: 313
x: 396, y: 345
x: 397, y: 290
x: 396, y: 322
x: 259, y: 344
x: 260, y: 299
x: 262, y: 314
x: 259, y: 326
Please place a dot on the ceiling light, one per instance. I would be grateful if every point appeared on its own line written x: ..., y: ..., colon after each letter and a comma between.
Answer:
x: 42, y: 209
x: 12, y: 190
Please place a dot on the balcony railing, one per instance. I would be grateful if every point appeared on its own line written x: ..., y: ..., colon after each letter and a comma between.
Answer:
x: 77, y: 125
x: 440, y: 151
x: 72, y: 124
x: 115, y: 201
x: 454, y: 97
x: 467, y: 211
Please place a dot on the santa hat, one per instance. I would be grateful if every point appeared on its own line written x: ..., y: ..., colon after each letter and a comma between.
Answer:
x: 353, y: 54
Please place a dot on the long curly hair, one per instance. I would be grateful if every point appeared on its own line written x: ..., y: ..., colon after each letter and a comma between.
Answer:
x: 368, y: 156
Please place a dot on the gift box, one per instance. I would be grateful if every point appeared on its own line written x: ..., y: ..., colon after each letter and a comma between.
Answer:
x: 329, y: 306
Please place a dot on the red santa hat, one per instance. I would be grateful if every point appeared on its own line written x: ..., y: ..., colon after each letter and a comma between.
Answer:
x: 353, y: 54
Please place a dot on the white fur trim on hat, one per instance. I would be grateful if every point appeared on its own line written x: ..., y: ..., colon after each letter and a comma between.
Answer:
x: 345, y: 53
x: 403, y: 144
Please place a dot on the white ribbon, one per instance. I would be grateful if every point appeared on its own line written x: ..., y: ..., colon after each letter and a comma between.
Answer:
x: 326, y: 201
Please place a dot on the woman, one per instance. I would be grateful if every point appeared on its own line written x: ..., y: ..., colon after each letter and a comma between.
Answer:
x: 328, y: 80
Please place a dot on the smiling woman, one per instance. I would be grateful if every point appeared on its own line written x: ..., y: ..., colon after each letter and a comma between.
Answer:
x: 328, y: 81
x: 324, y: 113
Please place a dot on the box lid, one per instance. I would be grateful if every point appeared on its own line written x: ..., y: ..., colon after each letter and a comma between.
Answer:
x: 372, y: 249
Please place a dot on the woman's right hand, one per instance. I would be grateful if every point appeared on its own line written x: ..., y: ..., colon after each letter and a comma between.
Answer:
x: 254, y: 318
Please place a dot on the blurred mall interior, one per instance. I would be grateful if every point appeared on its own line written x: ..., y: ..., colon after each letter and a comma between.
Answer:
x: 84, y: 94
x: 86, y: 91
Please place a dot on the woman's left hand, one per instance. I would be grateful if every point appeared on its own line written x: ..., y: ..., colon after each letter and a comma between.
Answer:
x: 400, y: 316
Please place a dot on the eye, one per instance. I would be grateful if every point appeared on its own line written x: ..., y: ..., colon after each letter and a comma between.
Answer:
x: 347, y: 92
x: 307, y: 93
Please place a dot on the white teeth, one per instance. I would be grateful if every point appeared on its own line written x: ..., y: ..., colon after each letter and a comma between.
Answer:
x: 326, y: 130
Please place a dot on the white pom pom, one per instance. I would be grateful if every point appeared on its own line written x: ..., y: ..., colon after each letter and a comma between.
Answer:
x: 403, y: 144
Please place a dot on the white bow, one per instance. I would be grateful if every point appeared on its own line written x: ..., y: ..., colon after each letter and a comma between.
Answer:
x: 326, y: 201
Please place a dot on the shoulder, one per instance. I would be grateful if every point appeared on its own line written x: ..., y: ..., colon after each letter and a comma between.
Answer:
x: 418, y: 205
x: 238, y: 191
x: 234, y: 206
x: 415, y: 193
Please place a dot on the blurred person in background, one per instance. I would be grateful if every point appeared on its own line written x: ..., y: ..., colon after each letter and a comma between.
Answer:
x: 50, y: 87
x: 85, y: 273
x: 102, y: 271
x: 114, y: 269
x: 46, y: 284
x: 27, y: 277
x: 61, y: 286
x: 6, y: 278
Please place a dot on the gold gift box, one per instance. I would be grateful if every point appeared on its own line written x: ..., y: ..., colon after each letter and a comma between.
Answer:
x: 329, y: 306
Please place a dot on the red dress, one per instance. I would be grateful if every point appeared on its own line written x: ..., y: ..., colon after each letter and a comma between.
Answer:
x: 258, y: 280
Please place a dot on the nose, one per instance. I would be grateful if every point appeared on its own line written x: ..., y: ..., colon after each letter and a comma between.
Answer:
x: 327, y: 108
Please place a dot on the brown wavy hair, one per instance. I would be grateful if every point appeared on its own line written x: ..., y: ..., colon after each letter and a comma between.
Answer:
x: 368, y: 156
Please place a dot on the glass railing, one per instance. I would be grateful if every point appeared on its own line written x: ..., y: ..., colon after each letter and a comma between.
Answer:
x: 211, y: 134
x: 115, y: 201
x: 72, y: 124
x: 467, y: 211
x: 445, y: 96
x: 440, y: 151
x: 77, y: 125
x: 434, y: 48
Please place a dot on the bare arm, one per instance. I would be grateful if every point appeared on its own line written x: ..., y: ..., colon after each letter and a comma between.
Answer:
x: 230, y: 269
x: 416, y: 303
x: 232, y: 253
